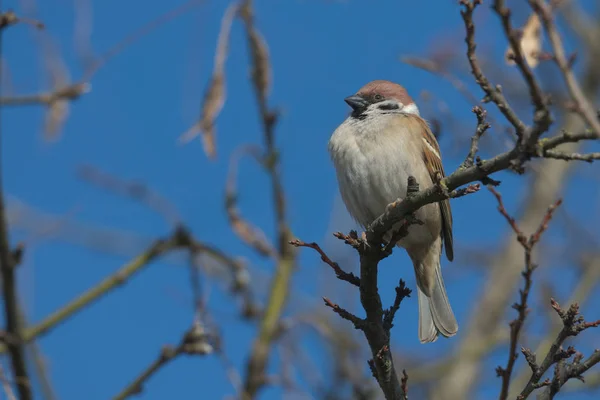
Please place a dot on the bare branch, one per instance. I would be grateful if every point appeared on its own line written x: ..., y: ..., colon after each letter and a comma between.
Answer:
x: 492, y: 94
x: 482, y: 126
x: 358, y: 323
x: 517, y: 324
x: 10, y: 18
x: 582, y: 105
x: 559, y: 155
x: 573, y: 325
x: 196, y: 341
x: 339, y: 272
x: 286, y: 254
x: 388, y: 315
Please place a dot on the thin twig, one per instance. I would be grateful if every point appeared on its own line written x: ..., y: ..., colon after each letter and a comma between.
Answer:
x: 573, y: 325
x: 167, y: 354
x: 482, y: 126
x: 194, y: 342
x: 388, y: 315
x: 517, y: 324
x: 136, y: 190
x: 542, y: 117
x: 559, y: 155
x: 339, y: 272
x: 492, y: 94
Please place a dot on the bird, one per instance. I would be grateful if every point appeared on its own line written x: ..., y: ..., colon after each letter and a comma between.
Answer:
x: 383, y: 142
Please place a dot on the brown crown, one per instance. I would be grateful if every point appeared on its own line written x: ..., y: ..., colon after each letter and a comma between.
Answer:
x: 387, y: 89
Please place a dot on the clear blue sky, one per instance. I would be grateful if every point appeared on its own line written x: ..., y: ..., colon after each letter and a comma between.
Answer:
x: 143, y: 99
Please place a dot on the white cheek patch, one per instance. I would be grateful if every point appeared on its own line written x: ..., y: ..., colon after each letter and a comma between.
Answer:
x: 431, y: 148
x: 411, y: 109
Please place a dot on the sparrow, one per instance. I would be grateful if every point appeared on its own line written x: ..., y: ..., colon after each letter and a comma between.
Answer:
x: 382, y: 142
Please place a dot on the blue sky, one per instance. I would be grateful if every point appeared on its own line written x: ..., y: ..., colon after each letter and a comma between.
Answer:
x: 127, y: 126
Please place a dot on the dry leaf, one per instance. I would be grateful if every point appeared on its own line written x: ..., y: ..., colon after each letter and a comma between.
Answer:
x: 214, y: 97
x: 531, y: 42
x: 261, y: 69
x: 56, y: 115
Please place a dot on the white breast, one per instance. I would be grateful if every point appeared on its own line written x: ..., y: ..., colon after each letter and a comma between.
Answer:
x: 373, y: 161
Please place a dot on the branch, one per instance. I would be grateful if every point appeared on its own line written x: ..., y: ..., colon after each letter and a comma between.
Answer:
x: 567, y: 137
x: 9, y: 291
x: 339, y: 272
x: 582, y: 105
x: 132, y: 189
x: 560, y: 155
x: 542, y: 118
x: 474, y: 173
x: 573, y: 325
x: 286, y: 254
x: 10, y: 18
x: 104, y: 287
x: 69, y: 92
x: 8, y: 390
x: 196, y: 341
x: 245, y: 230
x: 517, y: 324
x: 180, y: 239
x: 378, y: 323
x: 358, y: 323
x: 528, y: 136
x: 493, y: 94
x: 166, y: 355
x: 388, y: 315
x: 482, y: 126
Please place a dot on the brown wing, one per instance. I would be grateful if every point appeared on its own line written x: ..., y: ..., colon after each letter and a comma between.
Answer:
x: 432, y: 157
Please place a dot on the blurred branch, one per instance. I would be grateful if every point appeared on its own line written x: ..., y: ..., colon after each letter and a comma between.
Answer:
x: 286, y: 254
x: 41, y: 371
x: 8, y: 391
x: 180, y: 239
x: 214, y: 97
x: 246, y: 231
x: 10, y: 295
x: 69, y: 92
x: 64, y: 91
x: 195, y: 341
x: 136, y: 190
x: 9, y: 18
x: 121, y: 276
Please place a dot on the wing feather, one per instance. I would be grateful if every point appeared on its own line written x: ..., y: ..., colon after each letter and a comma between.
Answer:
x: 432, y: 158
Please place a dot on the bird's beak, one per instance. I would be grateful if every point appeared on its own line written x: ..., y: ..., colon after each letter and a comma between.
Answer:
x: 357, y: 102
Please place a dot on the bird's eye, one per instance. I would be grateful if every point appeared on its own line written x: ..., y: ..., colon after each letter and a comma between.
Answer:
x: 378, y: 97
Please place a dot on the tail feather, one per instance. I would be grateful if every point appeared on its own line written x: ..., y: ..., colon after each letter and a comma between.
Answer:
x: 427, y: 331
x: 435, y: 313
x: 441, y: 311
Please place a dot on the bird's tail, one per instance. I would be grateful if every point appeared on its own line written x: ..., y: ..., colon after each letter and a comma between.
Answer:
x: 435, y: 313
